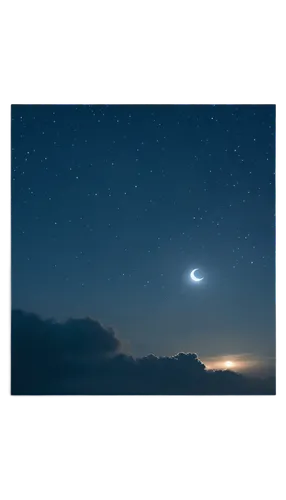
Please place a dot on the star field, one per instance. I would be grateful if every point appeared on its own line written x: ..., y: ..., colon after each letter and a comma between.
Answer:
x: 112, y: 205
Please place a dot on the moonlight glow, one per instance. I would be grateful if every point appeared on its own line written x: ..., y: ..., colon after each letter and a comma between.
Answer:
x: 194, y: 277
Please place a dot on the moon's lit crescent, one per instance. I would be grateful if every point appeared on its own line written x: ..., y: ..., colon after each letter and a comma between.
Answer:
x: 193, y: 275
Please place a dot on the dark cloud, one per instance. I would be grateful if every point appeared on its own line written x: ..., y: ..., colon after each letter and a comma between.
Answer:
x: 82, y: 357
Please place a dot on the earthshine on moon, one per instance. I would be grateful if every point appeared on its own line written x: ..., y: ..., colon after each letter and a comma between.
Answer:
x: 193, y: 275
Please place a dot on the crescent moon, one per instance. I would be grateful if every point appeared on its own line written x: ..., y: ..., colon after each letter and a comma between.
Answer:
x: 193, y: 275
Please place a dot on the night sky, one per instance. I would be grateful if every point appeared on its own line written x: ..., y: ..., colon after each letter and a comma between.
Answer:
x: 113, y: 206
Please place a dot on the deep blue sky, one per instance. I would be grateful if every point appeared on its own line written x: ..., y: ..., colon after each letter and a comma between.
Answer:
x: 113, y: 206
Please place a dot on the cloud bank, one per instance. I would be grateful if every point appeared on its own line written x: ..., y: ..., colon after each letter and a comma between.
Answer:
x: 81, y: 357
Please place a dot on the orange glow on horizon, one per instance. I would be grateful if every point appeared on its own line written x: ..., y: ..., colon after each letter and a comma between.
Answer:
x: 240, y: 363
